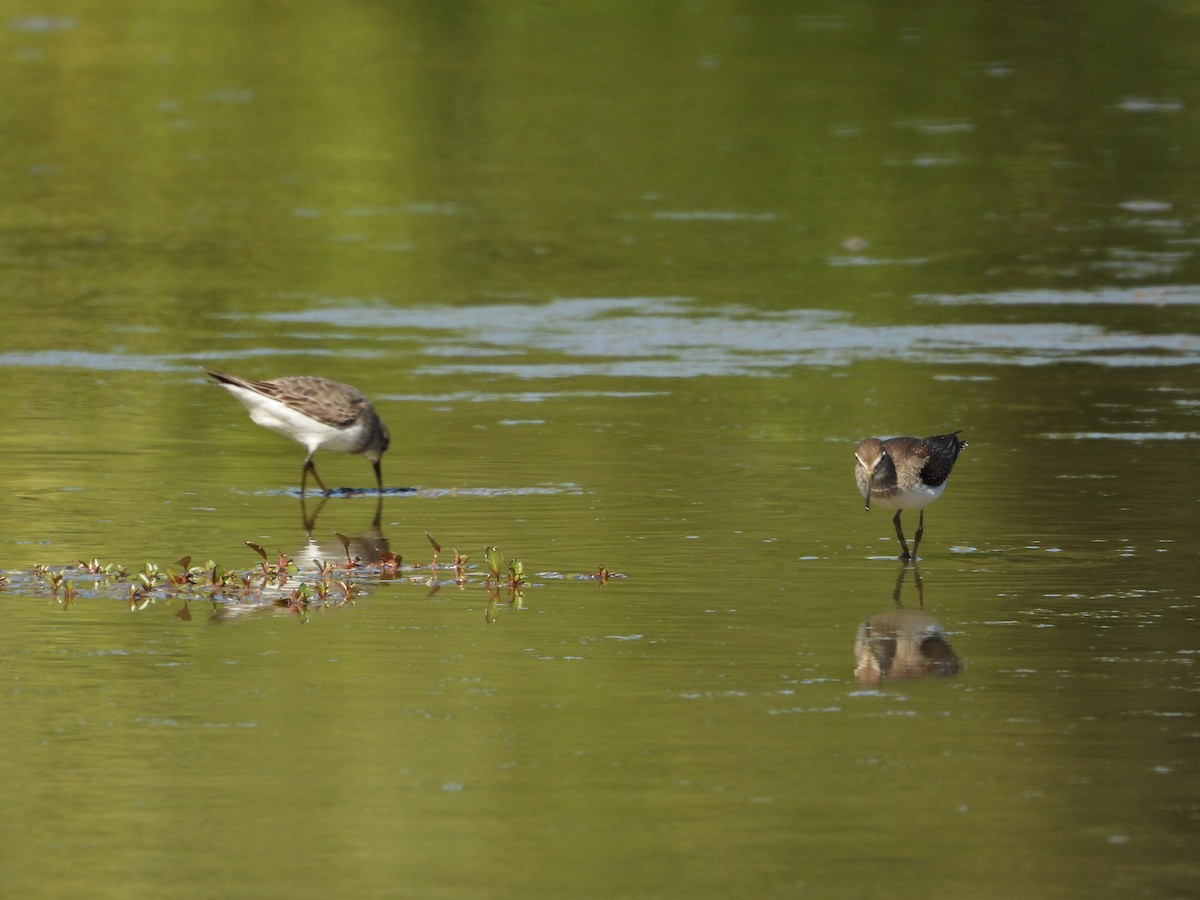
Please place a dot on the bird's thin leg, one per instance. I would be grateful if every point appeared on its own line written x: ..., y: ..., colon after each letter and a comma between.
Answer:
x: 378, y: 477
x: 920, y: 531
x: 900, y: 535
x: 309, y: 467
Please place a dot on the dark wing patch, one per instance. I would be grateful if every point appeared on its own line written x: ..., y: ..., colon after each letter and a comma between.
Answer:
x: 943, y: 450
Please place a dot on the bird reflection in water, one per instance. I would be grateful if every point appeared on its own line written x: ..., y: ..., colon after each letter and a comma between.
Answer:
x: 369, y: 546
x: 903, y: 643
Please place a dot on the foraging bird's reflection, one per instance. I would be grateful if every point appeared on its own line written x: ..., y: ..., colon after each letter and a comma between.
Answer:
x: 369, y: 546
x: 903, y: 643
x: 310, y: 521
x: 276, y: 590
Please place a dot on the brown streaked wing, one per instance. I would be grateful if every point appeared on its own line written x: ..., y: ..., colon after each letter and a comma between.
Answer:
x: 326, y: 401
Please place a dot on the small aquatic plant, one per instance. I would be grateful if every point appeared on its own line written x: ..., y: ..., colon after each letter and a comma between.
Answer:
x: 494, y: 561
x: 150, y: 576
x: 389, y: 564
x: 516, y: 573
x: 460, y: 567
x: 350, y: 563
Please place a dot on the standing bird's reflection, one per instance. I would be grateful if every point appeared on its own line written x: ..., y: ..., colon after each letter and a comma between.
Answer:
x: 903, y: 643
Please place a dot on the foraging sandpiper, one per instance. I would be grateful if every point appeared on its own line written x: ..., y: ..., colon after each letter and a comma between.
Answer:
x: 905, y: 473
x: 319, y: 413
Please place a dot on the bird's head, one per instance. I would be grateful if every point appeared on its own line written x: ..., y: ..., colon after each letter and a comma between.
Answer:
x: 870, y: 459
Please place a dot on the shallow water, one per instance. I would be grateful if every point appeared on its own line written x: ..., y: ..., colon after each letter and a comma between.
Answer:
x: 627, y: 288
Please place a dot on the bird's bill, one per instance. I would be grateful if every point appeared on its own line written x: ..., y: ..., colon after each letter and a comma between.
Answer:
x: 870, y: 472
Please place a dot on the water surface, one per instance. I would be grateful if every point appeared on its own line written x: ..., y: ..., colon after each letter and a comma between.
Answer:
x: 627, y: 286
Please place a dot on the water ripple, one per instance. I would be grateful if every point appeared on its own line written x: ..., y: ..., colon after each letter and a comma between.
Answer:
x: 676, y: 337
x: 673, y: 337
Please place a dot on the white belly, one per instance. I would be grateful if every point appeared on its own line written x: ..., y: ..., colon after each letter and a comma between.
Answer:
x: 913, y: 498
x: 282, y: 418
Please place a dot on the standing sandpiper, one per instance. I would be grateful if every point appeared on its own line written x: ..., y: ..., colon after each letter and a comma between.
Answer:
x: 906, y: 473
x: 319, y: 413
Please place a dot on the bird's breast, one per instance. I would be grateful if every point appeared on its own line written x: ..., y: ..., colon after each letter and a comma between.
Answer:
x: 916, y: 497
